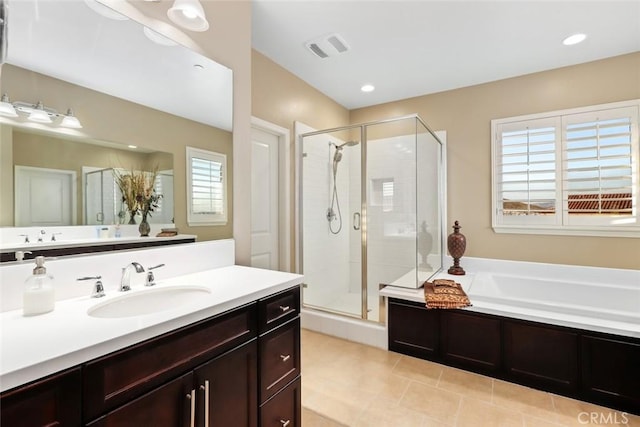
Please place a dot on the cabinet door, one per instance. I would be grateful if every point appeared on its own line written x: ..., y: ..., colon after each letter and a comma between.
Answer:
x: 227, y: 389
x: 471, y: 340
x: 541, y: 356
x: 611, y: 372
x: 169, y: 405
x: 413, y: 329
x: 283, y: 409
x: 54, y: 401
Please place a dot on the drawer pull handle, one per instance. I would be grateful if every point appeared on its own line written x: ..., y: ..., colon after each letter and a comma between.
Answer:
x: 192, y: 416
x: 285, y: 308
x: 285, y: 423
x: 285, y: 358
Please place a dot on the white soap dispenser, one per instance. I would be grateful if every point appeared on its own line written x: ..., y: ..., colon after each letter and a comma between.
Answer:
x: 39, y: 296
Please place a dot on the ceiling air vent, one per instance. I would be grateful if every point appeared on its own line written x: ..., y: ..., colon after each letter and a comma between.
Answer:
x: 326, y: 46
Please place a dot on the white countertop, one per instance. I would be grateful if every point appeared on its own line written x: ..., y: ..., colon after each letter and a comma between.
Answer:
x: 33, y: 347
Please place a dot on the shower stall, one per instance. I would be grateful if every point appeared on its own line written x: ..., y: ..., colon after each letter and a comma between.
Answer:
x: 370, y: 213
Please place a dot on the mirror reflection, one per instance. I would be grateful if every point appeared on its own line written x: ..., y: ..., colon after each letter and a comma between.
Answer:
x: 64, y: 182
x: 124, y: 89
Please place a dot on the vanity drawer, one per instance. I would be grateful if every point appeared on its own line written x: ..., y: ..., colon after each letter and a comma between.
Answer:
x: 124, y: 375
x: 279, y: 308
x: 284, y: 409
x: 279, y: 352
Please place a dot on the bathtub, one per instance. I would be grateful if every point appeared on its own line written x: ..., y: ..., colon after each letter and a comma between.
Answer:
x: 589, y: 298
x: 618, y: 302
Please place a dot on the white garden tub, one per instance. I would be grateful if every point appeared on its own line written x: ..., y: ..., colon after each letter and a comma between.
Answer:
x: 610, y: 301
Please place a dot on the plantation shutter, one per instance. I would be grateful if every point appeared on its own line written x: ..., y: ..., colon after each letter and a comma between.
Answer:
x: 206, y: 187
x: 526, y: 169
x: 598, y: 156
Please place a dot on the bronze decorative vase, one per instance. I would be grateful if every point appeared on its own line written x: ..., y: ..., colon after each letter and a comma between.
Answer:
x: 456, y: 243
x: 144, y: 228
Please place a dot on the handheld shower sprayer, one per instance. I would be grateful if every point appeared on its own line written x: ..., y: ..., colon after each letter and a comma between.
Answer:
x: 331, y: 213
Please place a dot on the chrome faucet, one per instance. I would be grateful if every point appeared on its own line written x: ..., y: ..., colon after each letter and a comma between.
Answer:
x: 125, y: 281
x: 151, y: 280
x: 98, y: 288
x: 42, y: 233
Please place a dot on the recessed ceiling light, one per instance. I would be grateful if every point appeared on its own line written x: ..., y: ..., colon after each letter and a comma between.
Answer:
x: 132, y: 146
x: 574, y: 39
x: 368, y: 88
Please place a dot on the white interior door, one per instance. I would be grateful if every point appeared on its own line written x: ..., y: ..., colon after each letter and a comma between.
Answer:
x: 264, y: 200
x: 44, y: 197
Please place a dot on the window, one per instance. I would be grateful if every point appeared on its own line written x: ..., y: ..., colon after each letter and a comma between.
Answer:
x: 568, y: 172
x: 206, y: 187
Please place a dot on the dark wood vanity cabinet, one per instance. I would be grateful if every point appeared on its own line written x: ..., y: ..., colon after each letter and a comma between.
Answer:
x: 119, y: 377
x: 51, y: 401
x: 597, y: 367
x: 279, y: 355
x: 217, y: 372
x: 221, y: 392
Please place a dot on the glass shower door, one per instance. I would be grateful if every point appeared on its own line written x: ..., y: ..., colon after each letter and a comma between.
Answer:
x: 402, y: 175
x: 331, y: 221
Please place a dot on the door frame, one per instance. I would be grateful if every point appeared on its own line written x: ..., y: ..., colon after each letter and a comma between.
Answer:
x: 284, y: 188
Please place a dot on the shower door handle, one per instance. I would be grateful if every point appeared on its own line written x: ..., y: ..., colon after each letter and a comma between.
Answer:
x: 356, y: 221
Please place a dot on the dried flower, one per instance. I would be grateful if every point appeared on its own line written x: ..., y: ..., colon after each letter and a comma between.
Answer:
x: 137, y: 191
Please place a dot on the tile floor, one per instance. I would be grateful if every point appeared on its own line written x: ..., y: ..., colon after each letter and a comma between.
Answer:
x: 350, y: 384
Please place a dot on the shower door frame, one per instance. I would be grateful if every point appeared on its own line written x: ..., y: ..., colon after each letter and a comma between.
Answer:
x: 363, y: 202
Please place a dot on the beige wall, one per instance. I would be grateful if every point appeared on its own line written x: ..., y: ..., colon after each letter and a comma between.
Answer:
x: 281, y: 98
x: 111, y: 119
x: 466, y: 114
x: 6, y: 175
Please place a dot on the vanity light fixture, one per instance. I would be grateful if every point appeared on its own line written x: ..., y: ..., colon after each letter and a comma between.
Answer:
x: 39, y: 115
x: 37, y: 112
x: 6, y: 108
x: 70, y: 121
x: 189, y: 15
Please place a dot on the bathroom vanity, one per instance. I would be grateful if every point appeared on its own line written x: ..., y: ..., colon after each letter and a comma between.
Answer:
x: 229, y: 357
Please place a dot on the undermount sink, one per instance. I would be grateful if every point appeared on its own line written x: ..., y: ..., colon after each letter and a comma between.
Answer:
x: 149, y: 301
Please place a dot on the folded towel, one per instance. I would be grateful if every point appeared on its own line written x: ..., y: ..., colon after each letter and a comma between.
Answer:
x: 445, y: 295
x: 445, y: 282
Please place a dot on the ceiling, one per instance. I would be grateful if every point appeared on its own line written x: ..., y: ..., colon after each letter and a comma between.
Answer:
x: 413, y: 48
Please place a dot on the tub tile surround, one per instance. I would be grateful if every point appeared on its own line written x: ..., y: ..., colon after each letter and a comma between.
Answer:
x: 480, y: 268
x: 351, y: 384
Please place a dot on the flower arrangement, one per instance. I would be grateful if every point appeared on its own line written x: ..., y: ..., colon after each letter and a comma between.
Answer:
x: 138, y: 193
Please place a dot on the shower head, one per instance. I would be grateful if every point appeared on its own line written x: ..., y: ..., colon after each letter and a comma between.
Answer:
x: 348, y: 144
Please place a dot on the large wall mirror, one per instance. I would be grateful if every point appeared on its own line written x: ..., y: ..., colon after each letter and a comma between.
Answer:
x: 141, y: 99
